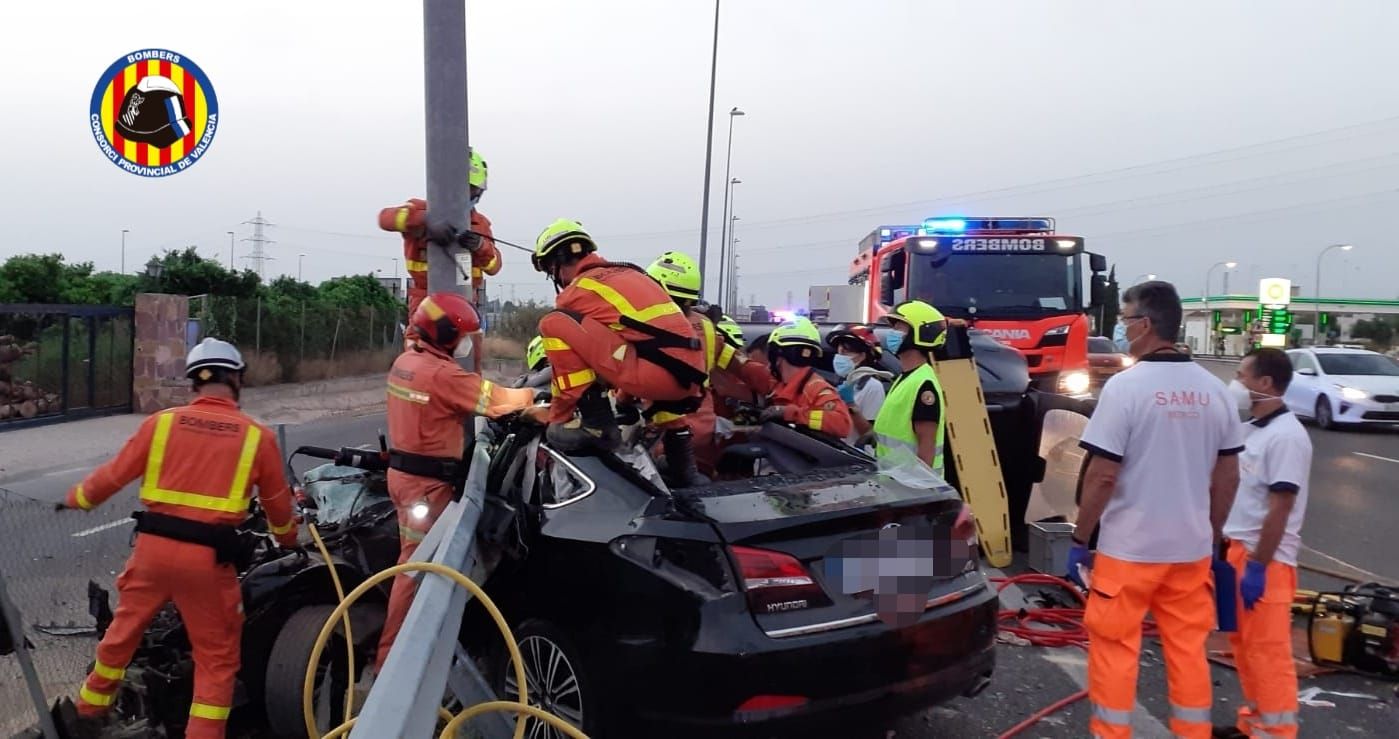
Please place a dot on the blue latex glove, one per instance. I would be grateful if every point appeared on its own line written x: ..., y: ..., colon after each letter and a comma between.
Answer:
x: 1255, y: 579
x: 1079, y: 555
x: 846, y: 392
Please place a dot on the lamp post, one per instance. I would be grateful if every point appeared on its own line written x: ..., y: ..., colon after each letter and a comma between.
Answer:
x: 728, y: 190
x: 723, y: 240
x: 124, y: 232
x: 230, y: 250
x: 732, y: 297
x: 299, y: 257
x: 1316, y: 319
x: 1205, y: 298
x: 708, y: 149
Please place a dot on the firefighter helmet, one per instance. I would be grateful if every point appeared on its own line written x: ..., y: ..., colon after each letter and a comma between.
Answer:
x: 731, y: 331
x: 859, y: 336
x: 678, y: 274
x: 928, y: 327
x: 153, y: 112
x: 443, y: 319
x: 534, y: 354
x: 476, y: 176
x: 563, y: 236
x: 209, y: 355
x: 797, y: 341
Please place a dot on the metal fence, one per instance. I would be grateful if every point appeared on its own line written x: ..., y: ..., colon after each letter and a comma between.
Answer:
x: 63, y: 361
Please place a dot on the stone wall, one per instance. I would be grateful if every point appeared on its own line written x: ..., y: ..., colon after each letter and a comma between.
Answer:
x: 158, y: 375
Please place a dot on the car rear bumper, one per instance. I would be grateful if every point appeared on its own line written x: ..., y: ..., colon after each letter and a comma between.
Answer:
x: 841, y: 674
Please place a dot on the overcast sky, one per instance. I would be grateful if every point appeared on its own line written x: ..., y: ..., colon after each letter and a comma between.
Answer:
x: 1143, y: 126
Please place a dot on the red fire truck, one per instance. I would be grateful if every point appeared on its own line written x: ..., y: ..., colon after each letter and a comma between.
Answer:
x: 1015, y: 278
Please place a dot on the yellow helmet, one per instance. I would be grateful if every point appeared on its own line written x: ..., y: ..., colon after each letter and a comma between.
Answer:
x: 731, y: 331
x: 561, y: 236
x: 476, y: 176
x: 797, y: 341
x: 534, y: 354
x: 928, y: 327
x: 678, y: 274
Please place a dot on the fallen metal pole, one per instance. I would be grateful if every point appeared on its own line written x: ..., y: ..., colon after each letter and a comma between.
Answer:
x: 26, y: 664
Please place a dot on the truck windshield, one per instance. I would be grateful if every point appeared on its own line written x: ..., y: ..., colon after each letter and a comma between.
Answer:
x: 991, y: 285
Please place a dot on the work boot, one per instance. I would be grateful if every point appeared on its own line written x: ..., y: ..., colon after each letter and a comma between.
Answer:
x: 594, y: 428
x: 679, y: 448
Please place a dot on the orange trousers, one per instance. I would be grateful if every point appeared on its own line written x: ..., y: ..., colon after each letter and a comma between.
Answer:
x: 414, y: 520
x: 1263, y: 652
x: 210, y: 605
x: 583, y: 351
x: 1181, y: 599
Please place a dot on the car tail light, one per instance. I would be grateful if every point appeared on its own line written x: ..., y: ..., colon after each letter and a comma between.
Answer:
x: 769, y: 703
x: 776, y: 582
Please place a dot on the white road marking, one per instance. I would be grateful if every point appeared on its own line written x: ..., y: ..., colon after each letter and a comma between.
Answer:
x: 104, y: 527
x: 1071, y: 661
x: 1346, y: 564
x: 1376, y: 456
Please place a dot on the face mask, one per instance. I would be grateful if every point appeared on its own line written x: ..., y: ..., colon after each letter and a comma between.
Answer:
x: 463, y: 350
x: 1245, y: 398
x: 893, y: 341
x: 842, y: 364
x: 1132, y: 342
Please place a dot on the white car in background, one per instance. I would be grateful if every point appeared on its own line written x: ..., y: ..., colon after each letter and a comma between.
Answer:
x: 1335, y: 386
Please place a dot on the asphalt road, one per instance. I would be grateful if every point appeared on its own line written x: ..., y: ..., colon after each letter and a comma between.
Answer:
x: 49, y: 557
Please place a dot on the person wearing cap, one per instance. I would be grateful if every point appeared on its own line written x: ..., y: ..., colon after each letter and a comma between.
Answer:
x: 613, y: 326
x: 864, y: 381
x: 679, y: 275
x: 430, y: 399
x: 199, y: 464
x: 911, y: 421
x: 801, y: 397
x: 411, y: 220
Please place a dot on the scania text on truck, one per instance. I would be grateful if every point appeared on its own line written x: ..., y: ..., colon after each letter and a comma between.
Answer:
x: 1014, y: 278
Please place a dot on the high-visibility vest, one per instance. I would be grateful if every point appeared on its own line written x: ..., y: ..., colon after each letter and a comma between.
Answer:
x: 232, y: 499
x: 893, y: 427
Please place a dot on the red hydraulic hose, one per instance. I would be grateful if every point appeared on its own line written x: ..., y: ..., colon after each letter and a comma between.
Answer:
x: 1043, y: 712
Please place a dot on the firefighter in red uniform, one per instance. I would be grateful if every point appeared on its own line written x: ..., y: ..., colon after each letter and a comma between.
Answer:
x: 802, y: 397
x: 410, y: 219
x: 680, y: 276
x: 614, y: 323
x: 199, y: 464
x: 430, y: 398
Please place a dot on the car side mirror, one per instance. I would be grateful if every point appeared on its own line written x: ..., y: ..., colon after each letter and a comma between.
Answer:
x: 1097, y: 263
x: 1308, y: 371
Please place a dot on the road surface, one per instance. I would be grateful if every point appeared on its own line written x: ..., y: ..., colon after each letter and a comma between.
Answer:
x: 49, y: 558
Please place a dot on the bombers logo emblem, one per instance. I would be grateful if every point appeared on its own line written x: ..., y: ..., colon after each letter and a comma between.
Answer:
x: 153, y: 113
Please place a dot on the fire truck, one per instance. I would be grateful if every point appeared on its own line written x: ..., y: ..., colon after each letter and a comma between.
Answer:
x: 1014, y: 278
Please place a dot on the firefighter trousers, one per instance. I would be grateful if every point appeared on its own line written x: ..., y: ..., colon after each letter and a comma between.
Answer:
x: 1181, y: 600
x: 420, y: 502
x: 210, y: 604
x: 1263, y: 652
x: 582, y: 351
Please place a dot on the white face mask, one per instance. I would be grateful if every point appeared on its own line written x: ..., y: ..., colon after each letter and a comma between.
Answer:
x: 1245, y: 398
x: 463, y: 350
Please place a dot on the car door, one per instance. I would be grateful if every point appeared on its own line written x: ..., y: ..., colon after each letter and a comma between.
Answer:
x: 1301, y: 394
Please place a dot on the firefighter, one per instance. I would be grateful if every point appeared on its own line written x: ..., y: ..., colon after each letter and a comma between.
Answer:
x: 864, y: 382
x: 680, y: 276
x: 615, y: 324
x: 430, y: 399
x: 199, y: 463
x: 801, y: 396
x: 410, y: 219
x: 537, y: 374
x: 911, y: 419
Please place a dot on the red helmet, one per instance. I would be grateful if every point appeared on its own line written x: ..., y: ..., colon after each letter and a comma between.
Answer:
x: 443, y: 319
x: 863, y: 336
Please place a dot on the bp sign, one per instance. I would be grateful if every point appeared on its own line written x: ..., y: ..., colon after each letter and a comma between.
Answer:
x: 1274, y: 319
x: 1274, y: 291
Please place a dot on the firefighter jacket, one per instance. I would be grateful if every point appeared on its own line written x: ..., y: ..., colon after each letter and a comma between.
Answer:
x: 810, y: 401
x: 410, y: 219
x: 430, y: 395
x: 198, y: 462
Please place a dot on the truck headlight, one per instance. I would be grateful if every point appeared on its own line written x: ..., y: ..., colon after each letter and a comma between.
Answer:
x: 1074, y: 383
x: 1350, y: 393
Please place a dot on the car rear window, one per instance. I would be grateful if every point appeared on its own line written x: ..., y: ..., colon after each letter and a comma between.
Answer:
x: 1099, y: 345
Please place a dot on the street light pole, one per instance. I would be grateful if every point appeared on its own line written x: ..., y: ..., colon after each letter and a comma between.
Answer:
x: 1316, y: 317
x: 230, y: 250
x: 708, y: 150
x: 728, y: 188
x: 123, y: 250
x: 724, y: 239
x: 1205, y: 299
x: 299, y: 257
x: 733, y: 265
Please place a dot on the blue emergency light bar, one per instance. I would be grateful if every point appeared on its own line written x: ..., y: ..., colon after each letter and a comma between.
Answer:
x: 957, y: 225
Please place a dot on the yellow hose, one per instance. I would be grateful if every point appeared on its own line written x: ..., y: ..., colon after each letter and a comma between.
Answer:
x: 308, y: 686
x: 340, y: 730
x: 340, y: 610
x: 456, y: 723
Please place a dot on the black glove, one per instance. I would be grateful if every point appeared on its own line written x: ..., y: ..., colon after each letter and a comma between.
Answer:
x: 443, y: 234
x: 469, y: 240
x: 772, y: 413
x: 628, y: 414
x: 542, y: 396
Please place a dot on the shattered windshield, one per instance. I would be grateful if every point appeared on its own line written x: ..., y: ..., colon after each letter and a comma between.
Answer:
x: 341, y: 492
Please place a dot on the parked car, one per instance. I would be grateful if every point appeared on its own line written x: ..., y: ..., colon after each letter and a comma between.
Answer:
x: 1105, y: 359
x: 1335, y: 386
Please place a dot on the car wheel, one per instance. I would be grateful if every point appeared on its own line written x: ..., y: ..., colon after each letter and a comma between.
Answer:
x: 556, y: 678
x: 1323, y: 416
x: 286, y: 669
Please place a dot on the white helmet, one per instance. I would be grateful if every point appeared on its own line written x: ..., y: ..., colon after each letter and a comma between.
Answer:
x: 212, y: 354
